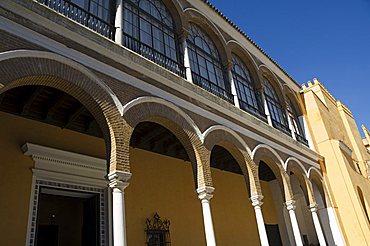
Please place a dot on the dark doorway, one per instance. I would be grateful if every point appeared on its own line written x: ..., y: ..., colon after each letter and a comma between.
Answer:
x: 67, y: 218
x: 273, y: 235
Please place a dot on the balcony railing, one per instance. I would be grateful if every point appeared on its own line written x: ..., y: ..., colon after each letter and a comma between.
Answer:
x: 82, y: 16
x: 282, y: 127
x: 212, y: 87
x: 301, y: 139
x: 153, y: 55
x: 252, y: 110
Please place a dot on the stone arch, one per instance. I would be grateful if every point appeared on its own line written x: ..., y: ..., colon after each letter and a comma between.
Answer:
x: 192, y: 15
x: 294, y: 165
x: 316, y: 178
x: 168, y: 115
x: 235, y: 145
x: 296, y: 102
x: 263, y: 152
x: 52, y: 70
x: 176, y: 10
x: 267, y: 73
x: 234, y: 47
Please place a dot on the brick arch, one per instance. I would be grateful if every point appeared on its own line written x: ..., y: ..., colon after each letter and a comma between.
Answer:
x: 294, y: 165
x: 315, y: 177
x: 263, y: 152
x: 48, y: 69
x: 176, y: 10
x: 192, y: 15
x: 235, y: 145
x: 156, y: 110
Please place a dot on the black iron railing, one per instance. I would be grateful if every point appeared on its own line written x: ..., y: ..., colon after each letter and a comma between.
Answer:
x: 253, y: 110
x: 82, y: 16
x: 212, y: 87
x: 282, y: 127
x: 301, y: 139
x: 153, y: 55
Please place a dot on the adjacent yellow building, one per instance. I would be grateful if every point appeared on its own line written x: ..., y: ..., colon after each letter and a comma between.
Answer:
x: 346, y: 171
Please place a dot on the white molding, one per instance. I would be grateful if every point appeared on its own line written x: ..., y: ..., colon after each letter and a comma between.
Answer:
x: 269, y: 148
x: 345, y: 148
x: 65, y: 166
x: 234, y: 134
x: 298, y: 162
x: 54, y: 46
x: 147, y: 99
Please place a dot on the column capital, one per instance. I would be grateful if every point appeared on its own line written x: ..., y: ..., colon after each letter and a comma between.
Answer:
x: 290, y: 205
x: 256, y: 200
x: 205, y: 193
x: 314, y: 207
x: 119, y: 179
x: 183, y: 34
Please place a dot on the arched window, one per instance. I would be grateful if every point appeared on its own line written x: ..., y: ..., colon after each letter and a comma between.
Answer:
x: 149, y: 29
x: 277, y: 112
x: 99, y: 8
x: 249, y: 99
x: 296, y: 123
x: 205, y: 64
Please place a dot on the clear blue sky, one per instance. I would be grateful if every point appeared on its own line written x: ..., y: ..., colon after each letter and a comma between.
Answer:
x: 326, y: 39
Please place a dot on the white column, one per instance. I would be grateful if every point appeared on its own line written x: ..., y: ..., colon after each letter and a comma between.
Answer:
x: 205, y: 194
x: 118, y: 183
x: 290, y: 123
x: 307, y: 133
x: 118, y: 22
x: 290, y: 205
x: 335, y: 229
x: 186, y: 58
x: 267, y: 112
x: 257, y: 203
x: 233, y: 87
x: 316, y: 222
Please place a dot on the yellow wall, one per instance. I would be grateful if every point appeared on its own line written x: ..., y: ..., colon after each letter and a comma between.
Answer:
x: 159, y: 184
x: 15, y: 168
x: 332, y: 123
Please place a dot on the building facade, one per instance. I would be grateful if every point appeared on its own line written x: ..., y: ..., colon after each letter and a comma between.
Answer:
x: 346, y: 172
x: 152, y: 122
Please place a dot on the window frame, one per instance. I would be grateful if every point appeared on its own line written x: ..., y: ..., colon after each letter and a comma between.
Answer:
x: 165, y: 49
x: 217, y: 83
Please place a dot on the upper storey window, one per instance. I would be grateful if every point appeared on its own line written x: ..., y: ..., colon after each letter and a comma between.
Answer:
x: 205, y: 64
x: 296, y: 123
x: 249, y: 99
x: 277, y: 112
x: 149, y: 29
x: 96, y: 15
x: 99, y: 8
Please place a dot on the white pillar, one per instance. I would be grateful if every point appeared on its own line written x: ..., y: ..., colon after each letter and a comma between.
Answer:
x: 316, y: 222
x: 265, y: 106
x: 335, y: 229
x: 257, y: 203
x: 290, y: 205
x: 118, y: 22
x: 186, y: 58
x: 233, y: 87
x: 205, y: 194
x: 290, y: 124
x: 118, y: 183
x: 307, y: 133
